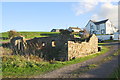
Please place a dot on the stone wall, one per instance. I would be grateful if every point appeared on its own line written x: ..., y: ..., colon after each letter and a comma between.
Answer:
x: 76, y: 49
x: 44, y: 47
x: 58, y: 48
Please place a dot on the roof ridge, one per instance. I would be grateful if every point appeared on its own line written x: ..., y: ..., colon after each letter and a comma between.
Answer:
x: 99, y: 22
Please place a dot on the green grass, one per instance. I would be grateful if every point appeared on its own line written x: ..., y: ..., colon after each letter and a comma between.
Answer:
x: 77, y: 35
x: 19, y: 66
x: 38, y: 34
x: 116, y: 74
x: 32, y: 34
x: 102, y: 44
x: 4, y: 40
x: 4, y: 34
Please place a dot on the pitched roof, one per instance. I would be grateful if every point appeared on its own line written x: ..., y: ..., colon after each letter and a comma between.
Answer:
x: 55, y: 29
x: 74, y: 28
x: 99, y: 22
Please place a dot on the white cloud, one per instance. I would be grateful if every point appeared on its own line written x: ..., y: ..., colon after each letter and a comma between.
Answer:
x: 85, y: 6
x: 108, y: 10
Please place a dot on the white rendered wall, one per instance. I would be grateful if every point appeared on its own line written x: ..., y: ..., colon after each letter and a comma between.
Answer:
x: 105, y: 37
x: 109, y: 28
x: 87, y: 27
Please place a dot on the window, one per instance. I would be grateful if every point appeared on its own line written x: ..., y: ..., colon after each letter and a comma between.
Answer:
x: 103, y: 31
x: 91, y: 26
x: 53, y: 43
x: 94, y: 32
x: 66, y: 43
x: 43, y: 44
x: 98, y: 27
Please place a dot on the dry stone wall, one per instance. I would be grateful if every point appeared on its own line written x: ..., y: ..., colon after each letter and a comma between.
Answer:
x: 76, y: 50
x: 44, y: 47
x: 57, y: 48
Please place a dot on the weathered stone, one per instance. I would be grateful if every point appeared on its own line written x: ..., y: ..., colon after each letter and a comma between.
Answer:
x: 62, y: 49
x: 82, y: 49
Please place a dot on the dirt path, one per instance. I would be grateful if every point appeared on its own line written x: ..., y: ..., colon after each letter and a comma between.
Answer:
x: 76, y: 70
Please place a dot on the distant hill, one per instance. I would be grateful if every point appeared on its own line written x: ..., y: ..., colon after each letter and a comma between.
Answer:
x: 32, y: 34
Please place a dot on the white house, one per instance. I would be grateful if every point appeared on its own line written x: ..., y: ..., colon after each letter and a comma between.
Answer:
x: 55, y: 30
x: 100, y: 27
x: 74, y: 29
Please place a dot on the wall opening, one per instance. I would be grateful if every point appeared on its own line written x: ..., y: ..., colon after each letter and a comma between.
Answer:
x: 53, y: 43
x: 65, y: 43
x: 43, y: 44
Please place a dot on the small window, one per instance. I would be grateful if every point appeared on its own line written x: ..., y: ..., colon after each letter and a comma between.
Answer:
x: 94, y: 32
x: 53, y: 43
x: 103, y: 31
x: 66, y: 43
x: 98, y: 27
x: 91, y: 26
x: 43, y: 44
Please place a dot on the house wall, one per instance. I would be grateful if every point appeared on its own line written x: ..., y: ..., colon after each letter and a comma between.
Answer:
x: 75, y: 30
x: 55, y: 30
x: 76, y: 49
x: 87, y: 27
x: 109, y: 28
x: 104, y: 28
x: 105, y: 37
x: 101, y: 27
x: 69, y: 29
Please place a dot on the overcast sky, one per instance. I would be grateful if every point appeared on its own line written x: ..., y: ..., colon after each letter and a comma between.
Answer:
x: 44, y: 16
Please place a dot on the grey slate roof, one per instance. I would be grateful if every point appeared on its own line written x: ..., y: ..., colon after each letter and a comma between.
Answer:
x: 99, y: 22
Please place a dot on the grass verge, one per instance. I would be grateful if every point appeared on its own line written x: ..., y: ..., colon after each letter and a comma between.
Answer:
x: 116, y: 74
x: 20, y: 67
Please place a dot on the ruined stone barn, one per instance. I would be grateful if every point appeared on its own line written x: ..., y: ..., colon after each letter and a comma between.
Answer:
x: 60, y: 48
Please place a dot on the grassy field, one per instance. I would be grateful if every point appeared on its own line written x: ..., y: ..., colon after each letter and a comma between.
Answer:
x: 32, y: 34
x: 20, y: 66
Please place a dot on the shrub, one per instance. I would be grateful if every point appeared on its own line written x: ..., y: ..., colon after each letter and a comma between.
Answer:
x: 12, y: 34
x: 85, y: 34
x: 65, y: 32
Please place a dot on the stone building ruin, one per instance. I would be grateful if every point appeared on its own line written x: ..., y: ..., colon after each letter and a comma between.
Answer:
x: 61, y: 48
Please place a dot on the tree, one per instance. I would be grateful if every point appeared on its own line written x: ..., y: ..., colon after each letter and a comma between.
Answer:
x: 65, y: 32
x: 12, y: 34
x: 85, y: 34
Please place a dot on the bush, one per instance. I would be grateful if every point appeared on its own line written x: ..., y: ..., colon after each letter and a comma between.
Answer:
x: 85, y: 34
x: 12, y: 34
x: 65, y: 32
